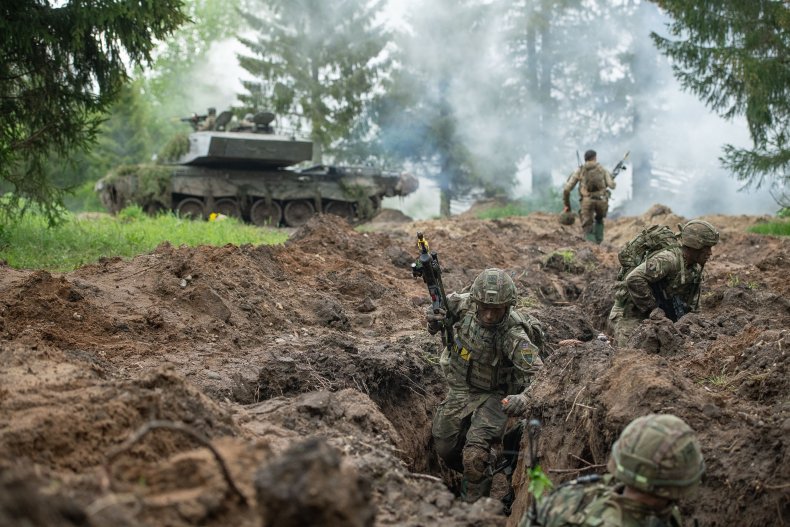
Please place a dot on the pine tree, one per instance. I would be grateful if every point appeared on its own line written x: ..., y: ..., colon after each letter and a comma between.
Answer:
x: 564, y: 88
x: 442, y: 110
x: 63, y: 64
x: 315, y: 63
x: 733, y: 55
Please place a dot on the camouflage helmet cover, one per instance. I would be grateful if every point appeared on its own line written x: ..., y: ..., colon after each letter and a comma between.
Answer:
x: 659, y: 455
x: 494, y: 287
x: 697, y: 234
x: 567, y: 218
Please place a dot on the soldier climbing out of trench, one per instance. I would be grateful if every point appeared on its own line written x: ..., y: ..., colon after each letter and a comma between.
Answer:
x: 656, y: 461
x: 661, y: 275
x: 488, y: 367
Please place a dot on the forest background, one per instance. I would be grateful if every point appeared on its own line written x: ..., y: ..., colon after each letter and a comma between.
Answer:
x: 473, y: 95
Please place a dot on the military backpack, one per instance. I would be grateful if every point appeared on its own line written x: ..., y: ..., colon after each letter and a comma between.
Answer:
x: 593, y: 178
x: 649, y: 241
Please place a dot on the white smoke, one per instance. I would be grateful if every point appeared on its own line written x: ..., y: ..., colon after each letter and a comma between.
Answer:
x: 686, y: 138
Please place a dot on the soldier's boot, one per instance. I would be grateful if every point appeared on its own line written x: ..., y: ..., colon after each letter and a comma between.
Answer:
x: 590, y: 237
x: 598, y: 232
x: 478, y: 474
x: 473, y: 491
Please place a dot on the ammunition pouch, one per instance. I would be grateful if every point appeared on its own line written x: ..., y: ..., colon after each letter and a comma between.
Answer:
x: 496, y: 375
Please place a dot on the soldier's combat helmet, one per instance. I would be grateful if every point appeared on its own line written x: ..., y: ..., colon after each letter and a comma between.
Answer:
x: 567, y: 218
x: 659, y: 455
x: 697, y: 234
x: 494, y: 288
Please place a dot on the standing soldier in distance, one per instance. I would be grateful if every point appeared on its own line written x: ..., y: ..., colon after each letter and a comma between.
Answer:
x: 488, y: 370
x: 656, y: 461
x: 594, y: 184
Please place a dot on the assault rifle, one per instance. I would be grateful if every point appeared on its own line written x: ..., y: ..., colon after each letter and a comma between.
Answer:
x: 620, y: 165
x: 194, y: 120
x: 673, y: 306
x: 427, y: 267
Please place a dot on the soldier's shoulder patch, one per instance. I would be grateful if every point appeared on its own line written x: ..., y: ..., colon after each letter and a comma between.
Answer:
x: 527, y: 351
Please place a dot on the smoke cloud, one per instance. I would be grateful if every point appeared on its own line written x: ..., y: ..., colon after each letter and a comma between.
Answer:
x: 683, y: 138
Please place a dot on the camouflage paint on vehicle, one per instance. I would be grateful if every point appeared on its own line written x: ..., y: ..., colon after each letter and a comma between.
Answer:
x: 245, y: 174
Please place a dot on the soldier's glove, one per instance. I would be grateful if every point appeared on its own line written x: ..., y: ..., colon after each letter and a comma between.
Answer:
x: 515, y: 404
x: 435, y: 320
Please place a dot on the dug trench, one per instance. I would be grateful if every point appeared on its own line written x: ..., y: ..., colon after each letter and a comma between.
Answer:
x: 306, y: 368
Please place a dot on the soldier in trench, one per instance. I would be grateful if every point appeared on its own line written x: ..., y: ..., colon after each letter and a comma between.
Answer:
x: 665, y: 279
x: 488, y: 371
x: 656, y: 461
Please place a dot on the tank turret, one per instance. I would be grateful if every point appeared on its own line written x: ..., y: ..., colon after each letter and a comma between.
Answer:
x: 241, y: 169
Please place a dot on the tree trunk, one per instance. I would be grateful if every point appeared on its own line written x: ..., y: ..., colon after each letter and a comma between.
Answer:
x: 315, y: 118
x: 542, y: 162
x: 538, y: 81
x: 444, y: 203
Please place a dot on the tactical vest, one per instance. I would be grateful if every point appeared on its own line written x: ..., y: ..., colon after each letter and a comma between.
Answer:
x: 477, y: 356
x: 684, y: 284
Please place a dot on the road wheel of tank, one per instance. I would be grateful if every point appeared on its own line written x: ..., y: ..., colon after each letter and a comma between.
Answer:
x: 298, y: 212
x: 191, y: 208
x: 228, y: 207
x: 343, y: 209
x: 263, y: 214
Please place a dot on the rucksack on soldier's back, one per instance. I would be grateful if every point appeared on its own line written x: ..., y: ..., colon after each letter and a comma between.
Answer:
x: 593, y: 178
x: 653, y: 239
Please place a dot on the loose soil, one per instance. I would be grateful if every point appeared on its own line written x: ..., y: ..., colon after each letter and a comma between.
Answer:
x: 306, y: 369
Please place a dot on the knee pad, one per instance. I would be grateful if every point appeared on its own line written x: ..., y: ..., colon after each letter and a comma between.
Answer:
x: 476, y: 463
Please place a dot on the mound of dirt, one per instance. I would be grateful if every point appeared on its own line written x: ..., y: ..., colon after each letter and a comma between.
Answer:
x: 391, y: 216
x: 265, y: 352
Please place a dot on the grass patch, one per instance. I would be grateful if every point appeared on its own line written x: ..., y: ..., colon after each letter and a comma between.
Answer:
x: 516, y: 208
x: 567, y: 256
x: 733, y: 280
x: 28, y: 242
x: 772, y: 228
x: 547, y: 201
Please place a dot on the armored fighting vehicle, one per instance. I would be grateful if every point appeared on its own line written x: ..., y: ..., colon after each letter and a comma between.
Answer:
x: 242, y: 171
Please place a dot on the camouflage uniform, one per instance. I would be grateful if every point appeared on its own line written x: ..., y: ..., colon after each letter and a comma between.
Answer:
x: 656, y: 455
x: 599, y: 504
x: 593, y: 205
x: 666, y: 271
x: 481, y: 367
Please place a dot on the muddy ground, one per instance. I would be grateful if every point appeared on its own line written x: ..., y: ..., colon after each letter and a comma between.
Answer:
x: 306, y: 371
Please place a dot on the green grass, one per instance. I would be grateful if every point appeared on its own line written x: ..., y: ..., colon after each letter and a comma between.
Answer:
x: 773, y: 228
x: 567, y: 256
x: 548, y: 201
x: 28, y: 243
x: 517, y: 208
